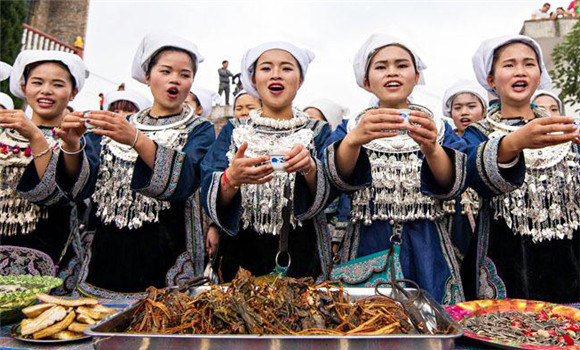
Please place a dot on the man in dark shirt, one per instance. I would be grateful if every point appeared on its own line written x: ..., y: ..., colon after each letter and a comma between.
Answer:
x: 225, y: 75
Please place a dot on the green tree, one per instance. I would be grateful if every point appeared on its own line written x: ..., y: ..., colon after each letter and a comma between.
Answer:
x: 566, y: 72
x: 12, y: 15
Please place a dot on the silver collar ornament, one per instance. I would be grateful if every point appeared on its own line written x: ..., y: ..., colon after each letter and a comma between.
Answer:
x: 547, y: 205
x: 116, y: 202
x: 395, y: 194
x: 17, y: 215
x: 262, y: 204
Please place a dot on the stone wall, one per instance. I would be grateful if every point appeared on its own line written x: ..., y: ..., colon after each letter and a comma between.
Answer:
x: 549, y: 34
x: 62, y: 19
x: 219, y: 116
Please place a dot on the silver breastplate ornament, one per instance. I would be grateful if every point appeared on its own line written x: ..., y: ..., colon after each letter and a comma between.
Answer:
x: 395, y: 194
x: 17, y: 215
x: 116, y: 202
x: 546, y: 206
x: 262, y: 204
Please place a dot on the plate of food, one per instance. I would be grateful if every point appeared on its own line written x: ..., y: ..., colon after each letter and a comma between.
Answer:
x: 519, y: 324
x: 17, y: 292
x: 57, y: 320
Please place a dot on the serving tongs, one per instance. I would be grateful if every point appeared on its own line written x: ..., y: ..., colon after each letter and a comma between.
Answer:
x: 419, y: 305
x: 187, y: 284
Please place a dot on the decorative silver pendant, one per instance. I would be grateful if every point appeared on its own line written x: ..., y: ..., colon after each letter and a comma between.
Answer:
x: 262, y: 204
x: 17, y: 215
x: 116, y: 202
x: 395, y: 194
x: 546, y: 206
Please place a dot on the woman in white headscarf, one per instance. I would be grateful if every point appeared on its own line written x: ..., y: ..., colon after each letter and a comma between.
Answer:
x: 401, y: 163
x: 244, y: 103
x: 263, y: 184
x: 523, y: 164
x: 201, y: 100
x: 549, y: 101
x: 465, y: 102
x: 48, y: 80
x: 125, y: 102
x: 328, y: 111
x: 142, y: 178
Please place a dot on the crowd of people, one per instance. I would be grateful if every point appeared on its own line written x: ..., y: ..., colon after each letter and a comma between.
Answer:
x: 572, y: 11
x: 144, y: 194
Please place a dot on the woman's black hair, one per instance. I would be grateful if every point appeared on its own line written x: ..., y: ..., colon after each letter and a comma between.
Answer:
x: 123, y: 105
x: 498, y: 51
x: 394, y: 44
x: 155, y: 58
x: 297, y: 63
x: 31, y: 66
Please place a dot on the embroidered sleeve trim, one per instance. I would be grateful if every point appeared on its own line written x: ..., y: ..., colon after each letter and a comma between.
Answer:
x: 83, y: 177
x: 212, y: 200
x: 332, y: 171
x: 324, y: 246
x: 459, y: 160
x: 322, y: 193
x: 174, y: 178
x: 46, y: 192
x: 488, y: 168
x: 165, y: 173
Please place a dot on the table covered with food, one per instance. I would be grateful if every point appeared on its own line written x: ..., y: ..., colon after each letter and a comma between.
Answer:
x: 278, y: 313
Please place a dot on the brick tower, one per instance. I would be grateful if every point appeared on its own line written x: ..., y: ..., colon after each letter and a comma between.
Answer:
x: 64, y: 20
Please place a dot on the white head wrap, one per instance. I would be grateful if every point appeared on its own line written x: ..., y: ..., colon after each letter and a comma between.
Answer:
x: 552, y: 95
x: 303, y: 56
x: 74, y: 105
x: 332, y: 112
x: 374, y: 101
x: 464, y: 86
x: 205, y: 98
x: 6, y: 101
x: 5, y: 70
x: 363, y: 57
x: 483, y: 59
x: 140, y: 101
x: 74, y: 63
x: 28, y: 111
x: 240, y: 93
x: 153, y: 43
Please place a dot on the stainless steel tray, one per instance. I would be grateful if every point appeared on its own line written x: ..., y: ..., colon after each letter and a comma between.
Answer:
x: 108, y: 334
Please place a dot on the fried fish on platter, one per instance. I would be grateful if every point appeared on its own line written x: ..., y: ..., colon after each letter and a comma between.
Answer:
x: 46, y: 319
x: 66, y: 302
x: 55, y: 328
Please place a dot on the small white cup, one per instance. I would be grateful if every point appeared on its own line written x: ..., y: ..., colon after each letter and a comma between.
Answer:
x: 88, y: 125
x: 405, y: 113
x: 277, y: 161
